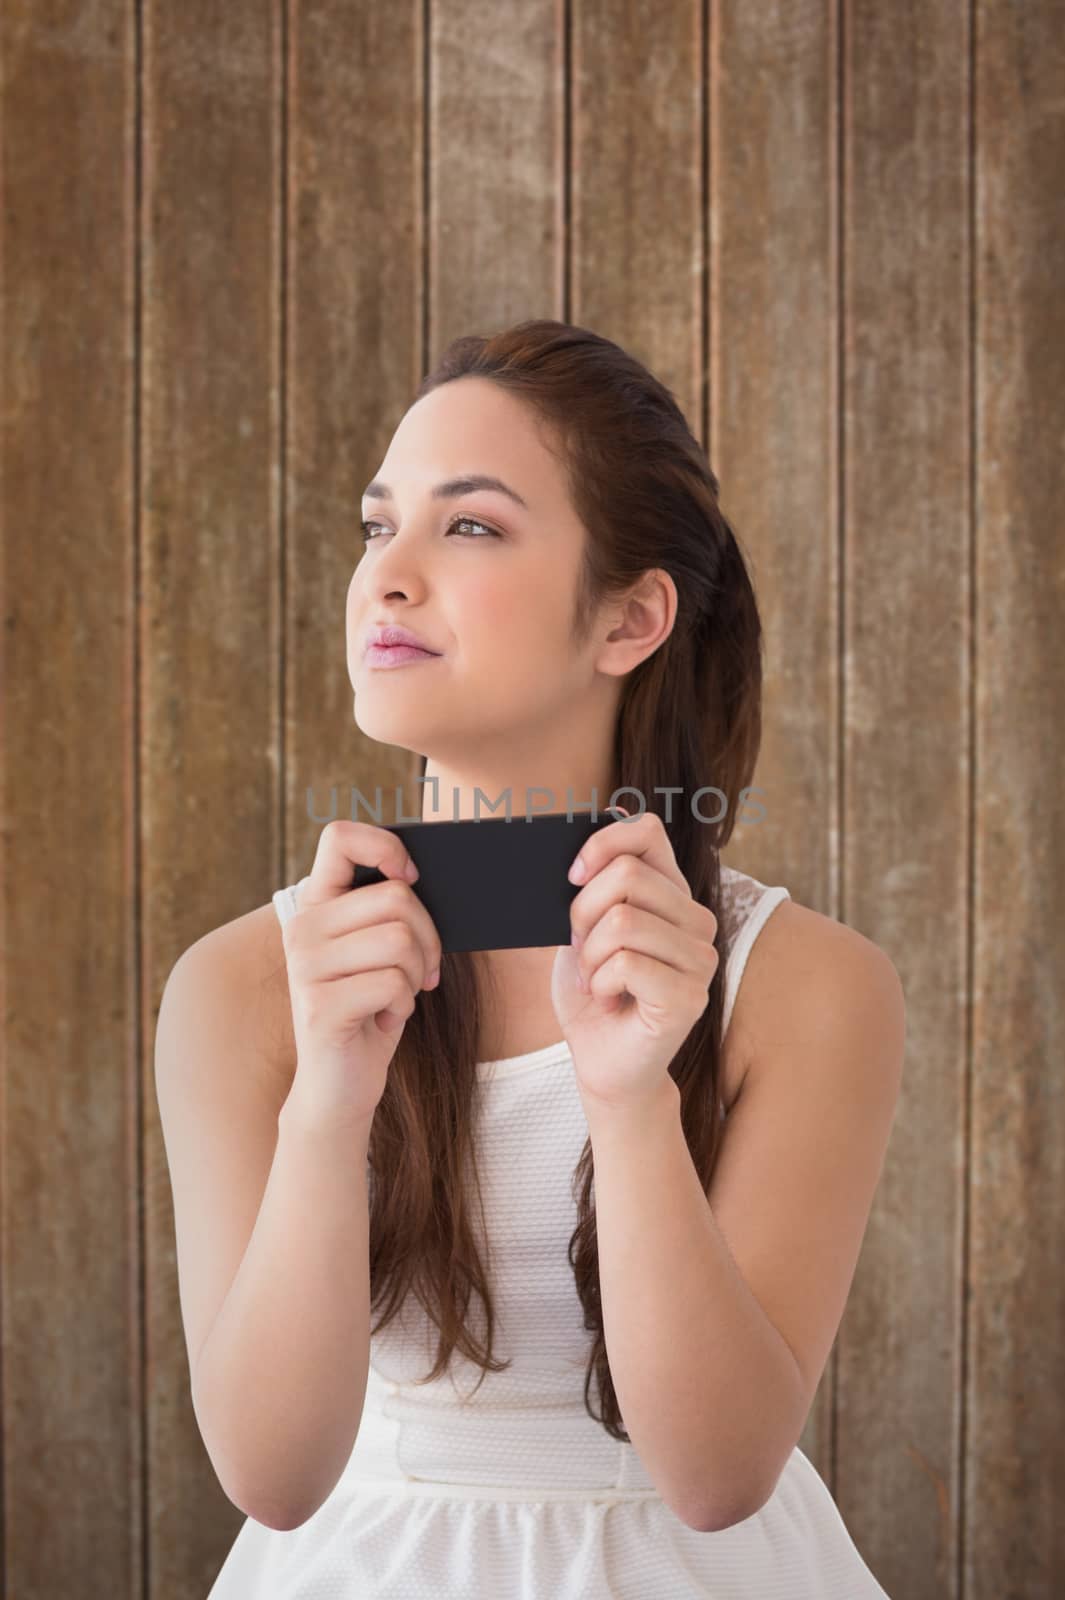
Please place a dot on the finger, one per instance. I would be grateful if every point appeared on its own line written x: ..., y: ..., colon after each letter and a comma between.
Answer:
x: 385, y: 994
x: 377, y: 906
x: 343, y: 846
x: 658, y: 987
x: 423, y: 925
x: 383, y: 946
x: 644, y: 836
x: 627, y: 927
x: 630, y: 879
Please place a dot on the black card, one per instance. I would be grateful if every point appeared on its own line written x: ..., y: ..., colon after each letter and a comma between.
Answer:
x: 496, y: 883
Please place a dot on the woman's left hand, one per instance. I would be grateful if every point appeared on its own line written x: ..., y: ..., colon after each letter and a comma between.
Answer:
x: 646, y: 949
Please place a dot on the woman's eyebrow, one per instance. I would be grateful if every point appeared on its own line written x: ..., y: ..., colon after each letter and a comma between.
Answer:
x: 450, y: 489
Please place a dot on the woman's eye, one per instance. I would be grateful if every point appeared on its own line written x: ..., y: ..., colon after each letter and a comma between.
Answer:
x: 368, y: 537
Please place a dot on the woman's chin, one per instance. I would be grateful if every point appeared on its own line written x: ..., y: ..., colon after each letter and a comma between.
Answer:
x: 389, y: 729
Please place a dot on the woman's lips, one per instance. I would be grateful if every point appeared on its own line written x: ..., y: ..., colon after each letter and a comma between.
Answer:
x: 396, y: 655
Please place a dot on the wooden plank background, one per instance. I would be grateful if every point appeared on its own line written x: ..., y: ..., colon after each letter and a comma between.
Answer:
x: 233, y: 238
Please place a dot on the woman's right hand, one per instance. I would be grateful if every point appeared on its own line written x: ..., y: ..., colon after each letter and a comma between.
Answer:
x: 356, y: 960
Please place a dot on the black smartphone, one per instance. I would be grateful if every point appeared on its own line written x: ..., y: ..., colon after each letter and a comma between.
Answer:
x: 496, y: 883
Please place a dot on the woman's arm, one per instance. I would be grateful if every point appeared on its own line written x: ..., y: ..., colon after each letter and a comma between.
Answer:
x: 281, y: 1381
x: 720, y: 1311
x: 272, y: 1230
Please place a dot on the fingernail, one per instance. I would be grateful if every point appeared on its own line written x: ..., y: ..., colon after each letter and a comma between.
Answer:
x: 578, y: 872
x: 410, y: 872
x: 433, y: 979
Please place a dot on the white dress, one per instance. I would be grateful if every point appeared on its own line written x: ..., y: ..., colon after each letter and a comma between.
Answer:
x: 517, y: 1493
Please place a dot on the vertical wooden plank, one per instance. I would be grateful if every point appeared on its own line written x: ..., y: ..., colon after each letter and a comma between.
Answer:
x: 905, y: 816
x: 69, y: 1257
x: 354, y: 267
x: 773, y: 418
x: 495, y: 179
x: 637, y: 242
x: 211, y: 458
x: 1014, y: 1464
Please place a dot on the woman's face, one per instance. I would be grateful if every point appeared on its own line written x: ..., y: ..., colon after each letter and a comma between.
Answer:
x: 488, y: 582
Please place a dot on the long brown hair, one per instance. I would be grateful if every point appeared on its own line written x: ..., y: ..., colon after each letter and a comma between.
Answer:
x: 689, y: 718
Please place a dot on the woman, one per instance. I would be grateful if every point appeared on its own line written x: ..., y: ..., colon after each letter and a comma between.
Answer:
x: 622, y: 1418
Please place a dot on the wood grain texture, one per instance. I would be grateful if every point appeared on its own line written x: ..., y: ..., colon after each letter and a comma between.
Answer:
x: 1013, y: 1400
x: 233, y: 240
x: 906, y: 751
x: 354, y: 271
x: 772, y: 393
x: 636, y: 244
x: 70, y: 1256
x: 209, y: 518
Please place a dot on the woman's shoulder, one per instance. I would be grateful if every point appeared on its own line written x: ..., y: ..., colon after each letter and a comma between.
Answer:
x: 791, y: 924
x: 251, y: 948
x: 743, y: 896
x: 796, y: 948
